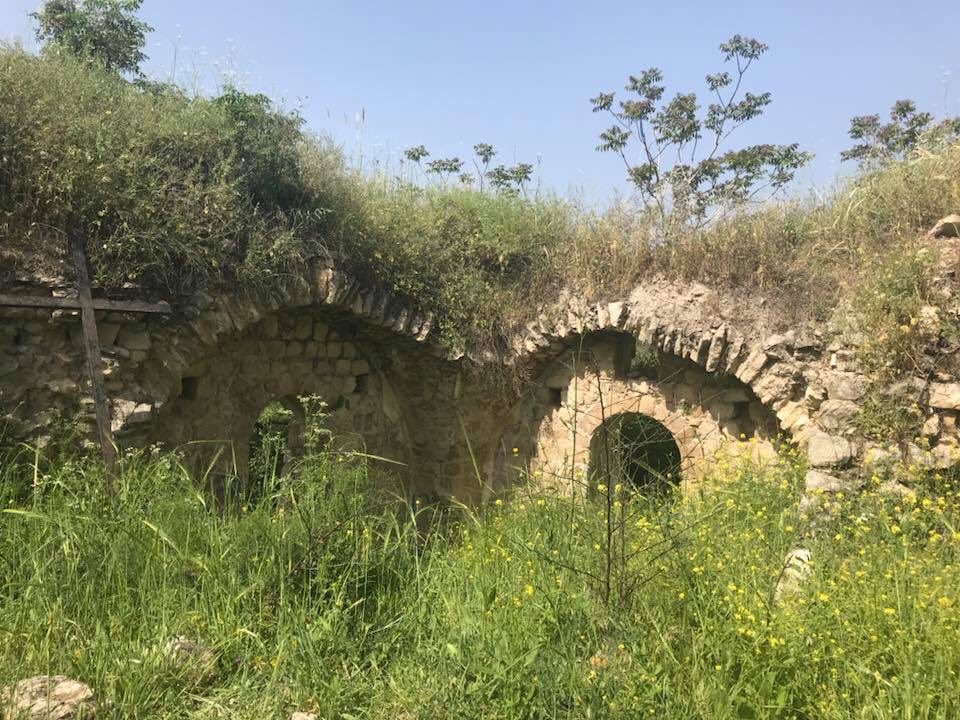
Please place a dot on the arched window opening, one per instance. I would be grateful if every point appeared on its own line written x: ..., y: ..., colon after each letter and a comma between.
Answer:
x: 636, y: 451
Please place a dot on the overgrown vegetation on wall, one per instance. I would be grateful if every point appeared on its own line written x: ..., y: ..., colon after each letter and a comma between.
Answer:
x: 177, y: 192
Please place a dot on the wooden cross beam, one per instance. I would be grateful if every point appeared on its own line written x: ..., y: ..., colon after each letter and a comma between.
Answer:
x: 134, y: 306
x: 87, y: 305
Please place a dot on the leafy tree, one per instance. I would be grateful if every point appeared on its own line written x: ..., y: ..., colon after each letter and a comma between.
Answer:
x: 445, y: 166
x: 104, y: 31
x: 882, y: 142
x: 485, y: 153
x: 416, y: 153
x: 511, y: 180
x: 679, y: 166
x: 504, y: 179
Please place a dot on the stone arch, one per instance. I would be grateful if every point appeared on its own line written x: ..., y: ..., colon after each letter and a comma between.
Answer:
x: 811, y: 384
x: 287, y: 354
x: 601, y: 375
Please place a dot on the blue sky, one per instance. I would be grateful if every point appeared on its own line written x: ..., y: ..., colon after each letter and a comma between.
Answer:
x: 381, y: 76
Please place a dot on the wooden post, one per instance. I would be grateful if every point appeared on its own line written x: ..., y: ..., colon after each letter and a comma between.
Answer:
x: 91, y: 342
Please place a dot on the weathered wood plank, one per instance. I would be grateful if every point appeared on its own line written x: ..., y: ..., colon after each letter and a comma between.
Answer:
x: 33, y: 301
x: 91, y: 341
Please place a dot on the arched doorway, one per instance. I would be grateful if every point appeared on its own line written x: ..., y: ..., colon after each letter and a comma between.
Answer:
x: 636, y: 451
x: 277, y: 442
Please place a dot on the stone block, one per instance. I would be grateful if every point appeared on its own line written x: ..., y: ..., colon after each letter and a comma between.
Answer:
x: 792, y: 415
x: 8, y: 364
x: 334, y: 349
x: 300, y: 368
x: 360, y: 367
x: 294, y: 348
x: 944, y: 395
x: 108, y: 333
x: 647, y: 405
x: 718, y: 344
x: 133, y: 337
x: 819, y: 481
x: 774, y: 384
x: 845, y: 386
x: 751, y: 367
x: 939, y: 457
x: 349, y: 351
x: 62, y: 386
x: 50, y: 697
x: 931, y: 427
x: 303, y: 328
x: 276, y: 348
x: 837, y: 415
x: 271, y: 328
x: 949, y: 420
x: 825, y: 450
x: 342, y: 367
x: 814, y: 396
x: 618, y: 313
x: 876, y: 455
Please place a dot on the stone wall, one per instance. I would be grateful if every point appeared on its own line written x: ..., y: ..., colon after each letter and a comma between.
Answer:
x: 600, y: 379
x: 205, y: 372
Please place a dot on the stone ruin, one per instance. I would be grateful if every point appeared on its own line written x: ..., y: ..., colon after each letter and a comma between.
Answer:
x: 694, y: 363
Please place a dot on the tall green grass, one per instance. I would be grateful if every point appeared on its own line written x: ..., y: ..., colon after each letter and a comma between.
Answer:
x: 330, y: 594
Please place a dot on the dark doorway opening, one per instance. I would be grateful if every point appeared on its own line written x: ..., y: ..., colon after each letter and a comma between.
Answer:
x: 635, y: 451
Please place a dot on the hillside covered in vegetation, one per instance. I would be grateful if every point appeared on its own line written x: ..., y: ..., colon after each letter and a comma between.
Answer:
x: 175, y: 192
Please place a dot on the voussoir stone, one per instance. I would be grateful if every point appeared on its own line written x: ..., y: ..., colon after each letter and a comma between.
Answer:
x: 47, y: 697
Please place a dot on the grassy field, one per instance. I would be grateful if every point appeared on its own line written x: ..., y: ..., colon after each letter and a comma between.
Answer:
x: 326, y: 594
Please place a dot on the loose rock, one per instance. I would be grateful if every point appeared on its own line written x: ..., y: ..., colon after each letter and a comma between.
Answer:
x: 196, y: 661
x: 47, y: 697
x: 948, y: 227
